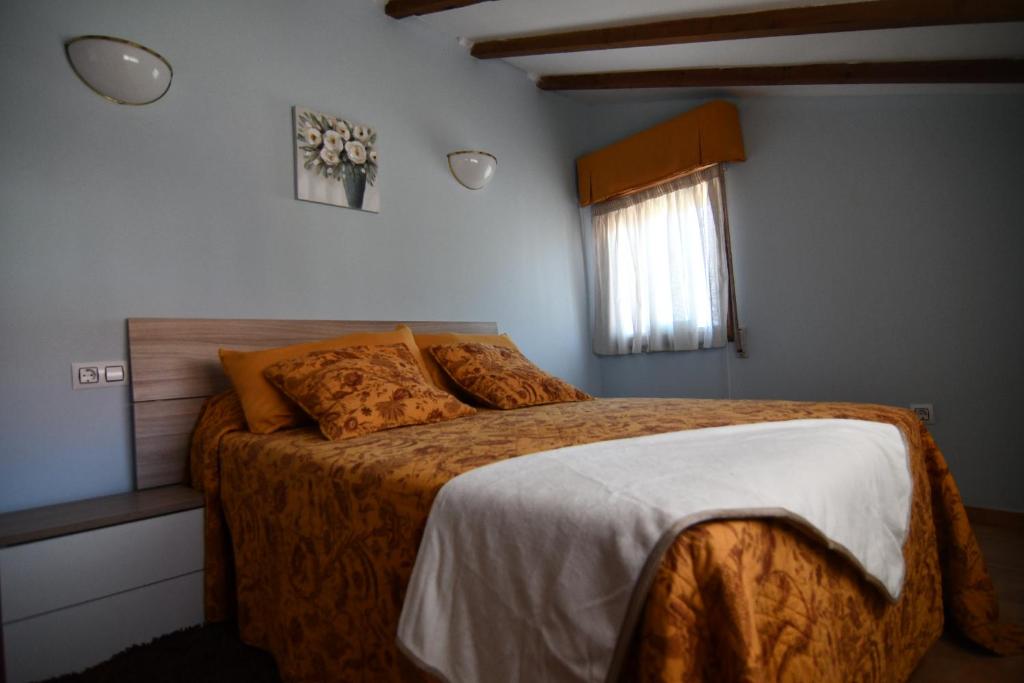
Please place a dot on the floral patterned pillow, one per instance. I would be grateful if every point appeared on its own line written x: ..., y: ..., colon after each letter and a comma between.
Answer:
x: 502, y: 377
x: 362, y: 389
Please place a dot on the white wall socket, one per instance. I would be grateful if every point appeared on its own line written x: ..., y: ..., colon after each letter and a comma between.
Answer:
x: 925, y: 412
x: 741, y: 338
x: 99, y: 374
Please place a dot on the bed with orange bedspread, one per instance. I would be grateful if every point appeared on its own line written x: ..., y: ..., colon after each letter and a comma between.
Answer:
x: 312, y: 543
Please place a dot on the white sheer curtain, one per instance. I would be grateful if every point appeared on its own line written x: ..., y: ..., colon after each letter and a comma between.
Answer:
x: 660, y: 270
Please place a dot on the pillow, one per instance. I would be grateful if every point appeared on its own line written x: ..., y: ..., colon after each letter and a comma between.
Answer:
x: 266, y: 410
x: 436, y: 373
x: 363, y: 389
x: 502, y: 377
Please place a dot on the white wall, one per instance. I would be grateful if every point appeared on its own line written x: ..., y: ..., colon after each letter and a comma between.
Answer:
x: 185, y: 207
x: 877, y: 244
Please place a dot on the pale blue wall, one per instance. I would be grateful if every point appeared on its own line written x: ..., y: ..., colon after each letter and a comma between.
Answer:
x: 878, y: 244
x: 185, y: 207
x: 847, y: 209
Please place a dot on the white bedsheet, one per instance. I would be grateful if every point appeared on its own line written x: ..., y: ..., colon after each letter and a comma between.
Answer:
x: 536, y: 568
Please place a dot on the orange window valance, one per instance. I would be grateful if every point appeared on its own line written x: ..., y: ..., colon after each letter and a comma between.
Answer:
x: 709, y: 134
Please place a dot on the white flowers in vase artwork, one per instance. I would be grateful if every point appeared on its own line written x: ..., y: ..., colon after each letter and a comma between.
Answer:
x: 335, y: 161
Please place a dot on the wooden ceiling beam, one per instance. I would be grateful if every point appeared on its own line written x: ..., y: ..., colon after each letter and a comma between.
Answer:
x: 853, y: 16
x: 400, y: 9
x: 953, y: 71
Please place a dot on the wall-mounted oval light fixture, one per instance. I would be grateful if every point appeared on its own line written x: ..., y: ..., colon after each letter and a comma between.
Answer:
x: 472, y: 169
x: 120, y: 70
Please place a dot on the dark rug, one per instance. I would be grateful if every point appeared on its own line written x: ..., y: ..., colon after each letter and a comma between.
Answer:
x: 199, y: 654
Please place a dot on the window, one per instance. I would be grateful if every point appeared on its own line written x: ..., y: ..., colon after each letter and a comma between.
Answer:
x: 662, y: 280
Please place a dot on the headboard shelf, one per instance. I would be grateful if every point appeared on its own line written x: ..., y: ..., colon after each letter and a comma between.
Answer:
x: 175, y: 367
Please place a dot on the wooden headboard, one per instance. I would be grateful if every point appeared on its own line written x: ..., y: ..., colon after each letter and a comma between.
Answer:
x: 175, y: 367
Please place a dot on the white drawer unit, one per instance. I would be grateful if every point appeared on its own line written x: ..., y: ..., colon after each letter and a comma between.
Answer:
x: 72, y: 601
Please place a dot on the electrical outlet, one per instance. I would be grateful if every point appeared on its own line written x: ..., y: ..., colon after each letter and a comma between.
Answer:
x: 99, y: 374
x: 89, y: 375
x: 925, y: 412
x: 741, y: 342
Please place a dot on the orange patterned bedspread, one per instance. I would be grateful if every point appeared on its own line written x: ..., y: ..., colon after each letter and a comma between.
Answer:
x: 323, y: 538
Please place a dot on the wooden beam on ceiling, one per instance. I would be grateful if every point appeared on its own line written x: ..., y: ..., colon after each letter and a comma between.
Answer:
x: 400, y: 9
x: 853, y: 16
x: 953, y: 71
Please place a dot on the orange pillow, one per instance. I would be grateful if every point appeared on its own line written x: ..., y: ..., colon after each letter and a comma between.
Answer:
x: 266, y: 410
x: 435, y: 372
x: 363, y: 389
x: 502, y: 377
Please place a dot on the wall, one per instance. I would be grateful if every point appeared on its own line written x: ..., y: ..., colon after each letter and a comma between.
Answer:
x: 185, y: 207
x: 876, y: 238
x: 877, y: 243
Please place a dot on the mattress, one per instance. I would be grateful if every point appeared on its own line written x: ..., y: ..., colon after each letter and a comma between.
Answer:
x: 311, y: 544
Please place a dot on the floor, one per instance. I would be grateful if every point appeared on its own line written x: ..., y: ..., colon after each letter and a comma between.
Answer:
x: 214, y: 654
x: 950, y: 660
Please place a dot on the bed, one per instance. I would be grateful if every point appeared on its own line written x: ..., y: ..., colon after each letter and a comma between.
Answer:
x: 310, y: 543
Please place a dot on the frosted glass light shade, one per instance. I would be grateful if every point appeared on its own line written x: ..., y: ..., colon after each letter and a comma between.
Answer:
x: 472, y: 169
x: 118, y: 69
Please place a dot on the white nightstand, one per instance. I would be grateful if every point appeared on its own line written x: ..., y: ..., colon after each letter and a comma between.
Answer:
x: 82, y: 581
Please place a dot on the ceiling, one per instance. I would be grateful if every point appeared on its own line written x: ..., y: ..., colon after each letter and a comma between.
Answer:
x: 508, y: 18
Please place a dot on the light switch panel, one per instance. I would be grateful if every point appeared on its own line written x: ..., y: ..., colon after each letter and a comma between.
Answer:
x: 113, y: 373
x: 99, y: 374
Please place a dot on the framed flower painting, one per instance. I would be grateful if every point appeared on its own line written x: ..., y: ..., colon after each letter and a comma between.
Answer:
x: 335, y: 161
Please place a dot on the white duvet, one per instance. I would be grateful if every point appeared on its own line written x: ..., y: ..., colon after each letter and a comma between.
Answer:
x: 535, y: 568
